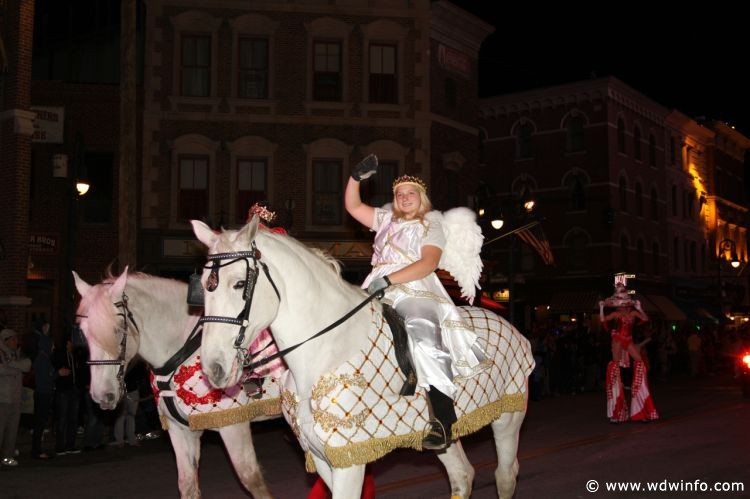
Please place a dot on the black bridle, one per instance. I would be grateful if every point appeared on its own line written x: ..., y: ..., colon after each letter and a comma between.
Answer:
x: 248, y: 291
x: 251, y: 278
x: 126, y: 316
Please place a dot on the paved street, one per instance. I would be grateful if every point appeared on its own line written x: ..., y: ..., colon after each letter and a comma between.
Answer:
x: 565, y: 442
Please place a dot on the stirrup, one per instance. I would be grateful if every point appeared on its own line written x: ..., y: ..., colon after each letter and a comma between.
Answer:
x: 435, y: 438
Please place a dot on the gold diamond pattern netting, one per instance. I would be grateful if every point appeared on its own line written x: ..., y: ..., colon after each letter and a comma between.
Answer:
x: 359, y: 416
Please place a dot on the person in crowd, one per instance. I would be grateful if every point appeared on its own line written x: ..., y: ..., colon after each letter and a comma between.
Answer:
x: 625, y: 316
x: 44, y: 392
x: 93, y: 430
x: 125, y: 422
x: 68, y: 365
x: 12, y: 366
x: 406, y: 252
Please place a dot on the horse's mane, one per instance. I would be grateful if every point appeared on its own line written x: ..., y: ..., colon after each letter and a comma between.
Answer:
x: 102, y: 316
x: 314, y: 257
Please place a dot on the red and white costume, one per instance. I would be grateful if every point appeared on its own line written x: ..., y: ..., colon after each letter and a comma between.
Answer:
x: 641, y: 405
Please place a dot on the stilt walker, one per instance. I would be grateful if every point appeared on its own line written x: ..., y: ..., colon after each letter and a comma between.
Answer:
x: 627, y: 312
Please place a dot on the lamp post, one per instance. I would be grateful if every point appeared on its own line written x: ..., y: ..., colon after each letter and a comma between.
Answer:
x: 78, y: 187
x: 727, y: 253
x: 514, y: 214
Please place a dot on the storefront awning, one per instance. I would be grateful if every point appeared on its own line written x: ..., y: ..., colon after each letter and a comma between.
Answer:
x: 667, y: 308
x: 574, y: 301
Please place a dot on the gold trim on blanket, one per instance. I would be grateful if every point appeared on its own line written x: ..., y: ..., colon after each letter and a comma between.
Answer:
x: 370, y: 450
x: 267, y: 407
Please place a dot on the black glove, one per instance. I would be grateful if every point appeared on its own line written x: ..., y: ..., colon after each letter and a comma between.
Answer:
x: 365, y: 168
x: 379, y: 285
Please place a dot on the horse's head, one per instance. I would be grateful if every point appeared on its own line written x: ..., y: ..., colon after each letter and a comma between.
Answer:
x: 239, y: 299
x: 103, y: 316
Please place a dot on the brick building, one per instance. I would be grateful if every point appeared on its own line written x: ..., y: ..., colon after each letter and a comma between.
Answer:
x: 623, y: 185
x: 254, y: 101
x: 241, y: 101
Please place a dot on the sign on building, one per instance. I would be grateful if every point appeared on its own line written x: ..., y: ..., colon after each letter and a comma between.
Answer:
x: 48, y: 124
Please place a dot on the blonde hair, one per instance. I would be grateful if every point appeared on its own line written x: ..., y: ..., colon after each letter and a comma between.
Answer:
x: 425, y: 206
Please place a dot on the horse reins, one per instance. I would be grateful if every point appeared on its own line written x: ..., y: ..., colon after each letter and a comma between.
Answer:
x: 126, y: 315
x: 251, y: 278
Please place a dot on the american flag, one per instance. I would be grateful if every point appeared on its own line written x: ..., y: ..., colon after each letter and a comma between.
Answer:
x: 534, y: 237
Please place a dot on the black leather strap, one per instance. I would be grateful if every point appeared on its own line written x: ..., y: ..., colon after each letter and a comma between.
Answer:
x: 189, y: 348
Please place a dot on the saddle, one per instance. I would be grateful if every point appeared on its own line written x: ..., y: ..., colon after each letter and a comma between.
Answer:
x: 401, y: 347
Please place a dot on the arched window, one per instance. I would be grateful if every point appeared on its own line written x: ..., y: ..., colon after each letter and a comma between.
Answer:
x: 637, y: 143
x: 575, y: 134
x: 638, y: 199
x: 654, y: 205
x: 524, y: 143
x: 624, y: 243
x: 641, y: 255
x: 651, y: 150
x: 576, y: 243
x: 577, y: 193
x: 623, y: 194
x: 621, y: 135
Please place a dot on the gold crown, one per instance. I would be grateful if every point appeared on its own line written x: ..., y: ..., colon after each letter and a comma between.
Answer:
x: 408, y: 179
x: 264, y: 213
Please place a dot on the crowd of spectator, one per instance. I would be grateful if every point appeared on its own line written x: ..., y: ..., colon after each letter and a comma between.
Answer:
x: 572, y: 357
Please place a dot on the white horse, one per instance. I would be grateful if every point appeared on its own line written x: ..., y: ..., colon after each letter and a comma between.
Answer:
x: 341, y: 397
x: 147, y: 315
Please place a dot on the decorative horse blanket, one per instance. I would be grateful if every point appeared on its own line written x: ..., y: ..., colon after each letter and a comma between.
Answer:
x: 354, y: 414
x: 206, y: 407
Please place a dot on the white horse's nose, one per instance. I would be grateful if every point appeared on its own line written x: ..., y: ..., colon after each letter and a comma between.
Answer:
x: 217, y: 374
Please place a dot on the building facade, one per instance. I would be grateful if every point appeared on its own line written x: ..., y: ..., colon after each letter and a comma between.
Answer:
x: 262, y: 101
x: 622, y: 184
x: 238, y: 102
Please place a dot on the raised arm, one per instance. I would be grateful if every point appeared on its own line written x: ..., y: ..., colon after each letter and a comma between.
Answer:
x: 361, y: 212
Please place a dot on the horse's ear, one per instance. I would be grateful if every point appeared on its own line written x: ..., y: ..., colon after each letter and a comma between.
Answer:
x: 82, y: 286
x: 204, y: 233
x: 246, y: 235
x: 119, y: 285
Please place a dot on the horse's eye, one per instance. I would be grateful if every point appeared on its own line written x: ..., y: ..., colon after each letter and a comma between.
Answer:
x: 239, y: 285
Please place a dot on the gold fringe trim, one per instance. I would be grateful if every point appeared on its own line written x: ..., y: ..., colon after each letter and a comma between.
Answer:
x: 268, y: 407
x: 375, y: 448
x: 164, y: 423
x: 482, y: 416
x: 309, y: 463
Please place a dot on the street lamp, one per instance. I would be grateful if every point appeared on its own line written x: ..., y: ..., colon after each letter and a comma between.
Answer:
x: 727, y: 253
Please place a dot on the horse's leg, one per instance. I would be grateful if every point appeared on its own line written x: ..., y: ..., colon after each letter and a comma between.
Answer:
x: 460, y: 471
x: 347, y: 482
x: 324, y: 470
x: 506, y: 430
x: 238, y: 440
x: 187, y: 451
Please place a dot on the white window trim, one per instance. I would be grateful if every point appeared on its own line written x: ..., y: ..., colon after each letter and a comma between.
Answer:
x: 325, y: 149
x: 249, y: 147
x: 253, y: 25
x: 327, y: 28
x: 189, y: 22
x: 388, y: 33
x: 198, y: 145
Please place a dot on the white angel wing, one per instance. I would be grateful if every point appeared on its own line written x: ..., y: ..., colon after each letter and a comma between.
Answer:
x: 463, y: 243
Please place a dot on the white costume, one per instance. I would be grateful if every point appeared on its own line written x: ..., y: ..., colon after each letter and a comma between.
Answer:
x: 443, y: 347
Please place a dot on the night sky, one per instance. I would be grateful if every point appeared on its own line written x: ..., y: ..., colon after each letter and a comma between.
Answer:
x: 693, y: 61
